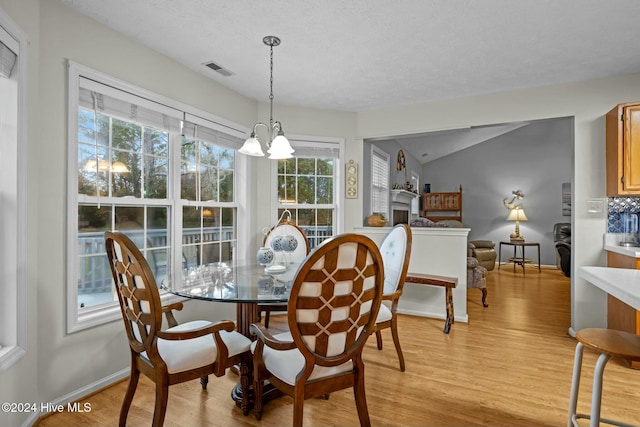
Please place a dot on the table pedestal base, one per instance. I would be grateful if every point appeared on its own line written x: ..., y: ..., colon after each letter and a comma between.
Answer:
x: 269, y: 393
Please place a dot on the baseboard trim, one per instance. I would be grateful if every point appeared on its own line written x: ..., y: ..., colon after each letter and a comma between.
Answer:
x: 79, y: 394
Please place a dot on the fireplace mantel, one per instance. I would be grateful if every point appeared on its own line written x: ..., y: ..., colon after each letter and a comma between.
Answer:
x: 403, y: 196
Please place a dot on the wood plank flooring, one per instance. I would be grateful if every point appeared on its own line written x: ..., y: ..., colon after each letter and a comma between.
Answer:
x: 509, y: 366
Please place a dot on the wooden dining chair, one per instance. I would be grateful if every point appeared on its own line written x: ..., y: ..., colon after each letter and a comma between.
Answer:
x: 180, y: 353
x: 274, y: 236
x: 396, y: 252
x: 332, y: 310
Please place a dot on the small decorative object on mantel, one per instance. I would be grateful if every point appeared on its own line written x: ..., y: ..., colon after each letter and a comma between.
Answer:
x: 377, y: 220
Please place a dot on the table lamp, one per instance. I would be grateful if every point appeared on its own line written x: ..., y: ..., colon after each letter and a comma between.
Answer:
x: 517, y: 214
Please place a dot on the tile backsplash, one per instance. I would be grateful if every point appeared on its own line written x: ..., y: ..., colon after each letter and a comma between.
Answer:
x: 617, y: 207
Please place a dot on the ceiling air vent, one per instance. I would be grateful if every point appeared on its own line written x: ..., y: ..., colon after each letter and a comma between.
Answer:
x: 218, y: 69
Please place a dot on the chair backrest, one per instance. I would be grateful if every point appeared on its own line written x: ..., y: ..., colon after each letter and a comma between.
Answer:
x: 396, y: 251
x: 335, y: 299
x: 137, y: 293
x: 284, y: 230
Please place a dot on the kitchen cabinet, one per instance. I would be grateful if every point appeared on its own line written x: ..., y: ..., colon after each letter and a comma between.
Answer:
x: 623, y: 149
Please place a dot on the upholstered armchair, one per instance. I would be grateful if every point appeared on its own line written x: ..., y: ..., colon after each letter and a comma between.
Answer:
x: 562, y: 240
x: 476, y: 277
x: 484, y: 251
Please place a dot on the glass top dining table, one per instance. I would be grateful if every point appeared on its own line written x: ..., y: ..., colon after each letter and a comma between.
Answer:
x: 246, y: 285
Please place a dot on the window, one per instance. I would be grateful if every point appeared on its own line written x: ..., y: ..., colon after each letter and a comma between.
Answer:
x: 307, y: 186
x: 379, y: 181
x: 13, y: 320
x: 155, y: 172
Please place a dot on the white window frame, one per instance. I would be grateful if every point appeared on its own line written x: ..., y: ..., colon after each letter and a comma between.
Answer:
x: 316, y: 143
x: 384, y: 156
x: 13, y: 185
x: 88, y: 317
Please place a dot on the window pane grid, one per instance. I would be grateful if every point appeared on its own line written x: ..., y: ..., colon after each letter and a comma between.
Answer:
x: 306, y: 189
x: 128, y: 181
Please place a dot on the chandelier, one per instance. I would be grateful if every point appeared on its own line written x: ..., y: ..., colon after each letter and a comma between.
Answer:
x: 278, y: 145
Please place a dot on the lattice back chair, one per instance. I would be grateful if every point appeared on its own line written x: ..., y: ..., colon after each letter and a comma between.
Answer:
x: 180, y: 353
x: 277, y: 238
x: 396, y: 252
x: 334, y: 301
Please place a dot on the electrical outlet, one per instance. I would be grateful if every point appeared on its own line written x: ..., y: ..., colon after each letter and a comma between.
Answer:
x: 595, y: 206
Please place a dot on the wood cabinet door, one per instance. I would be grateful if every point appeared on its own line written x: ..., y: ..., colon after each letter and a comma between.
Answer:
x: 631, y: 148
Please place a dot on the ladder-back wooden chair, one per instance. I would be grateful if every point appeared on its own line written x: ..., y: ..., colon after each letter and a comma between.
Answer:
x: 396, y: 252
x: 180, y: 353
x: 332, y: 310
x: 286, y: 252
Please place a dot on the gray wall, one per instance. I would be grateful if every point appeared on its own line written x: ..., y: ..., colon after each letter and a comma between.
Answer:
x: 395, y: 177
x: 535, y: 159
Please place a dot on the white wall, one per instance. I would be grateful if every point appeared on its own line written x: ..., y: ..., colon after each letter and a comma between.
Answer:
x: 19, y: 383
x: 587, y: 102
x: 436, y: 251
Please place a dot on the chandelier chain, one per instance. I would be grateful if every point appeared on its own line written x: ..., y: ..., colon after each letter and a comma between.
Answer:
x: 271, y: 88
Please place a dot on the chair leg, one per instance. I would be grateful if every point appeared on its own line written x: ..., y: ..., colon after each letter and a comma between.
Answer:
x: 575, y: 384
x: 361, y: 399
x: 484, y: 297
x: 128, y: 397
x: 396, y: 342
x: 379, y: 339
x: 298, y: 407
x: 204, y: 381
x: 162, y: 396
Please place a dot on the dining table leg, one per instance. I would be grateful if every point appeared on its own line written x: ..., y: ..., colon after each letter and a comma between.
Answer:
x: 246, y: 314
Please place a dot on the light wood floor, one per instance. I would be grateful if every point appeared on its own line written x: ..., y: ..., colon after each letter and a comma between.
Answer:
x: 509, y: 366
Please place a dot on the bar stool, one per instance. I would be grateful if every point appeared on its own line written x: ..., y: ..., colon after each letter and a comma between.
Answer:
x: 609, y: 343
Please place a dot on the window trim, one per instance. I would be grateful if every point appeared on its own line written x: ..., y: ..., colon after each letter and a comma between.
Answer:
x: 316, y: 142
x: 17, y: 305
x: 93, y: 316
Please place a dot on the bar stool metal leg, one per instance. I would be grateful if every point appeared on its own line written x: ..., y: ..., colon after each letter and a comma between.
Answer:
x: 575, y: 385
x: 596, y: 397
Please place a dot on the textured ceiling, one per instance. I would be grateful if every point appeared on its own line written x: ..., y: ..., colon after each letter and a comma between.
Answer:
x: 358, y: 55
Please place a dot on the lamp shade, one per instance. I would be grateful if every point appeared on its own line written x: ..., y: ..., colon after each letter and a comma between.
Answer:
x: 280, y: 148
x: 516, y: 214
x: 252, y: 147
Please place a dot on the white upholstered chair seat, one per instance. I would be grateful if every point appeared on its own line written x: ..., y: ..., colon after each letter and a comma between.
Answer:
x: 183, y: 355
x: 384, y: 314
x: 287, y: 364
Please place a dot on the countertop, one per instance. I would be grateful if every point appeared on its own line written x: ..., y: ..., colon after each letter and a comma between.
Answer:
x: 622, y: 283
x: 612, y: 244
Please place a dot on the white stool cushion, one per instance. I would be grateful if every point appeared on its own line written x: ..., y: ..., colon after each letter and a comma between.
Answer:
x: 384, y: 314
x: 183, y: 355
x: 286, y: 364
